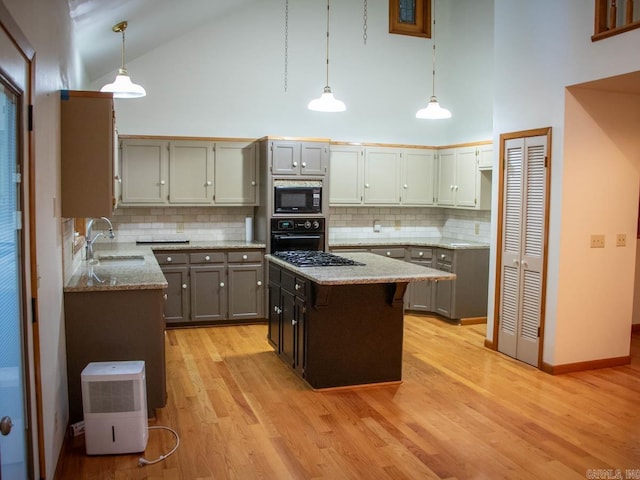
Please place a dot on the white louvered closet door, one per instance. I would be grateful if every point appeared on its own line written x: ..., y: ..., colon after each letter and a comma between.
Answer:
x: 523, y: 239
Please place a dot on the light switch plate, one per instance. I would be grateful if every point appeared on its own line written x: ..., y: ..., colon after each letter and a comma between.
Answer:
x: 621, y: 240
x: 376, y: 226
x: 597, y: 241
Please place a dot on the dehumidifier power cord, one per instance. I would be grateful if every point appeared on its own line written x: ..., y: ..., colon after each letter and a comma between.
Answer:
x: 143, y: 461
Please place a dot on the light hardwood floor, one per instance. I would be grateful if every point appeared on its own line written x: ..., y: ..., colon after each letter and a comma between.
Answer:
x: 462, y: 411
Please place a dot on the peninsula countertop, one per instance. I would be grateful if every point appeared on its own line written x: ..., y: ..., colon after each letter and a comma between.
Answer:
x: 442, y: 242
x: 127, y: 266
x: 376, y: 269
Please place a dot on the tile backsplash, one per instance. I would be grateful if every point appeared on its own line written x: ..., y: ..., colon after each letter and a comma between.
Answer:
x: 206, y: 223
x: 358, y: 222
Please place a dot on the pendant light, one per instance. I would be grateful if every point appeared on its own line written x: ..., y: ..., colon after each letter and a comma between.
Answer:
x: 122, y: 86
x: 433, y: 110
x: 327, y: 102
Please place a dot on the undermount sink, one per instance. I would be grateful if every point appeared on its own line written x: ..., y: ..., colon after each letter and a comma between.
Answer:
x: 120, y: 260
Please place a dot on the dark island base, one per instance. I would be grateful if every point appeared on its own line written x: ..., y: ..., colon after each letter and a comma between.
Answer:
x: 354, y: 334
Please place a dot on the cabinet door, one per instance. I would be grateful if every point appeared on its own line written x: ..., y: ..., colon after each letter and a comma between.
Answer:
x: 144, y: 172
x: 346, y: 175
x: 176, y: 306
x: 275, y: 320
x: 299, y: 358
x: 285, y: 157
x: 191, y: 172
x: 382, y: 176
x: 421, y: 293
x: 485, y: 156
x: 286, y: 328
x: 235, y: 173
x: 442, y: 296
x: 245, y: 291
x: 87, y: 154
x: 208, y: 293
x: 466, y: 177
x: 314, y: 158
x: 446, y: 177
x: 418, y: 177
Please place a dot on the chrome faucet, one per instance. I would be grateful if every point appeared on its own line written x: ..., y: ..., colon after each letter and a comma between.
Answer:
x: 90, y: 240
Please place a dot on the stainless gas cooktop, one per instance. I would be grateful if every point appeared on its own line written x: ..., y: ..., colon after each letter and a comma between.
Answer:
x: 311, y: 258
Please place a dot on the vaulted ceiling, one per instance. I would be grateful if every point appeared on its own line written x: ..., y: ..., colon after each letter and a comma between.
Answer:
x: 151, y: 23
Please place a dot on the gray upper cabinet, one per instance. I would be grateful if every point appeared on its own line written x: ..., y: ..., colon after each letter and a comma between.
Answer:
x: 236, y: 174
x: 191, y: 172
x: 87, y: 154
x: 145, y: 172
x: 159, y: 172
x: 291, y: 157
x: 461, y: 184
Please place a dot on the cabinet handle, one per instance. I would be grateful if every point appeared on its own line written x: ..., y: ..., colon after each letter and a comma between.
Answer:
x: 162, y: 182
x: 456, y: 188
x: 221, y: 284
x: 303, y: 164
x: 451, y: 187
x: 420, y: 254
x: 165, y: 296
x: 297, y: 287
x: 244, y: 257
x: 295, y: 164
x: 184, y: 286
x: 253, y: 183
x: 443, y: 256
x: 118, y: 179
x: 366, y: 185
x: 405, y: 186
x: 294, y: 322
x: 259, y: 283
x: 207, y: 258
x: 169, y: 259
x: 208, y: 183
x: 388, y: 254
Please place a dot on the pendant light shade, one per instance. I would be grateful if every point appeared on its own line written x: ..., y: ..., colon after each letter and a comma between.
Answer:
x: 327, y: 102
x: 433, y: 110
x: 122, y: 86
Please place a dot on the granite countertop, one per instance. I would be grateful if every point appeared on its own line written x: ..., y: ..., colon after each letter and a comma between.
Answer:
x: 127, y: 266
x: 376, y: 269
x: 442, y: 242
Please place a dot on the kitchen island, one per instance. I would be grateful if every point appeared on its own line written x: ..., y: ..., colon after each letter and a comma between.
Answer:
x: 339, y: 326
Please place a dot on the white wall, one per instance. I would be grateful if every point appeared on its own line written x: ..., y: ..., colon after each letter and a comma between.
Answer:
x: 233, y: 72
x: 47, y: 26
x: 541, y: 48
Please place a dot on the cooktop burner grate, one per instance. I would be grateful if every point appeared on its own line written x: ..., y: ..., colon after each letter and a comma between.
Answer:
x: 311, y: 258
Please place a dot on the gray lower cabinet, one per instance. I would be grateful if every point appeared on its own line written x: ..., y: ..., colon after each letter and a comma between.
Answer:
x: 212, y: 287
x: 115, y: 325
x: 464, y: 297
x: 287, y: 315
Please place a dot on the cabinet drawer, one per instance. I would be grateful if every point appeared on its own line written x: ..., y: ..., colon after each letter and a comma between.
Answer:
x: 421, y: 253
x: 206, y: 257
x: 444, y: 256
x: 393, y: 252
x: 171, y: 258
x: 240, y: 257
x: 293, y: 284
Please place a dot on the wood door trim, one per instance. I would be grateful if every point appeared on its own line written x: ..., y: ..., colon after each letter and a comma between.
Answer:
x: 493, y: 343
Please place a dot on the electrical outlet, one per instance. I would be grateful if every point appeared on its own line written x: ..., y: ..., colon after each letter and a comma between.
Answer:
x: 477, y: 229
x: 77, y: 428
x: 398, y: 224
x: 180, y: 227
x: 597, y: 241
x: 376, y: 226
x: 621, y: 240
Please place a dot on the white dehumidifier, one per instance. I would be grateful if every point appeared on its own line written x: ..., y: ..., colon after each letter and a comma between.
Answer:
x: 114, y: 401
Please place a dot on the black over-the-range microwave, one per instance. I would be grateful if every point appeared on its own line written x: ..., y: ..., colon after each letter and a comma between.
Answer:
x: 297, y: 199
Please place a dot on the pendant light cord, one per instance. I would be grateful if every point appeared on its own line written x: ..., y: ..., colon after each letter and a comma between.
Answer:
x: 286, y: 44
x: 123, y: 49
x: 433, y: 57
x: 327, y: 84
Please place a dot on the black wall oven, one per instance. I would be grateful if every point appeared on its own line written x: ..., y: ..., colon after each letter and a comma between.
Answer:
x: 297, y: 234
x: 296, y: 199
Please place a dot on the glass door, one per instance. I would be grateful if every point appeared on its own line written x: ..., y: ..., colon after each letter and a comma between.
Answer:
x: 13, y: 418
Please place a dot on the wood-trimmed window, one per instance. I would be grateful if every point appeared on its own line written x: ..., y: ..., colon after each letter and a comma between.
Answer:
x: 410, y: 17
x: 613, y: 17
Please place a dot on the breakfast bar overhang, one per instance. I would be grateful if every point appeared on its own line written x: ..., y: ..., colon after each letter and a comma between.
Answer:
x: 340, y: 326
